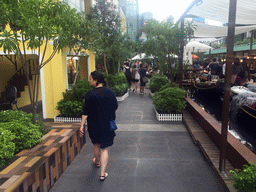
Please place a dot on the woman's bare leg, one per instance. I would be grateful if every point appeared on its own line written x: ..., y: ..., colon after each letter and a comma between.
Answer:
x: 136, y: 86
x: 103, y: 160
x: 97, y: 154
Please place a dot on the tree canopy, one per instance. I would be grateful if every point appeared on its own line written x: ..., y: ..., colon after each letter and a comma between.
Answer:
x: 163, y: 42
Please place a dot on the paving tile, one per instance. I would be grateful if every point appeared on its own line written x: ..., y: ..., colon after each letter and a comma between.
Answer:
x: 147, y: 155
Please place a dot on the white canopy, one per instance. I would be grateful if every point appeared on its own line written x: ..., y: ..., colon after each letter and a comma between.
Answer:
x: 204, y: 30
x: 218, y: 10
x: 197, y: 47
x: 142, y: 56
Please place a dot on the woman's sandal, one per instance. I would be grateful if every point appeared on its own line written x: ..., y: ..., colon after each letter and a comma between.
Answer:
x: 102, y: 178
x: 97, y: 165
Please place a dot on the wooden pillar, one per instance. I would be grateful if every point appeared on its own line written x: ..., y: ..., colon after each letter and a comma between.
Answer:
x: 181, y: 52
x: 226, y: 99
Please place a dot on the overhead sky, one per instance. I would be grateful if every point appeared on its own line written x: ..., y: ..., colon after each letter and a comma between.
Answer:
x: 162, y: 9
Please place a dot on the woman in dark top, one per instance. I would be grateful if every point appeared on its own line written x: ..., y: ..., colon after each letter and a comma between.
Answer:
x: 143, y: 72
x: 241, y: 79
x: 99, y: 109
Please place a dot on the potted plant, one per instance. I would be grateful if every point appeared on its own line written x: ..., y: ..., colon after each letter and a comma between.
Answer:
x: 156, y: 82
x: 71, y: 106
x: 118, y: 83
x: 169, y: 104
x: 245, y: 179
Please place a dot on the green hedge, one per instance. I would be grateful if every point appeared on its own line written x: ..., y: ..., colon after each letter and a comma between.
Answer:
x: 7, y: 147
x: 17, y: 132
x: 118, y: 83
x: 245, y: 179
x: 157, y: 81
x: 170, y: 100
x: 73, y: 100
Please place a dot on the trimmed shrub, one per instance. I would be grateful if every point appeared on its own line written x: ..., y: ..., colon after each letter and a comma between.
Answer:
x: 17, y: 132
x: 70, y: 108
x: 245, y: 179
x: 10, y: 115
x: 73, y: 100
x: 7, y: 146
x: 118, y: 83
x: 170, y: 100
x: 26, y: 134
x: 156, y: 82
x: 169, y: 84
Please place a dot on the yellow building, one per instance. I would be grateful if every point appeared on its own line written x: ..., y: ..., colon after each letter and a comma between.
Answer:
x: 54, y: 76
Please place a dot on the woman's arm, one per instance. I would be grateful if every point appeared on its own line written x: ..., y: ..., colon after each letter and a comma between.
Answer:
x: 84, y: 117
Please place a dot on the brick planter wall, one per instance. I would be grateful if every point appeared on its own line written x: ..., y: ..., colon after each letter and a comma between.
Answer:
x: 237, y: 154
x: 37, y: 169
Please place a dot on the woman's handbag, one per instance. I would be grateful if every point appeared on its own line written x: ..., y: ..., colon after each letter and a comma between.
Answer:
x: 137, y: 75
x: 145, y: 79
x: 113, y: 126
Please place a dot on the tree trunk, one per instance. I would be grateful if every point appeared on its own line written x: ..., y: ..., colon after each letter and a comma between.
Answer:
x: 105, y: 64
x: 34, y: 113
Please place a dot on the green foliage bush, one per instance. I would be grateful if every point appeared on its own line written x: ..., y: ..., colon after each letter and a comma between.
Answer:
x: 118, y: 83
x: 73, y: 100
x: 10, y: 115
x: 245, y: 179
x: 18, y: 132
x: 26, y: 134
x: 157, y: 81
x: 70, y: 108
x: 170, y: 100
x: 169, y: 84
x: 7, y: 146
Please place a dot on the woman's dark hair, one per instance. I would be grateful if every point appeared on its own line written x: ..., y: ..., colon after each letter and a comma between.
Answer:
x: 134, y: 66
x: 98, y: 76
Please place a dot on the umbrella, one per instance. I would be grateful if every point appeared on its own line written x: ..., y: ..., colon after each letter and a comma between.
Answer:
x: 194, y: 46
x: 194, y: 56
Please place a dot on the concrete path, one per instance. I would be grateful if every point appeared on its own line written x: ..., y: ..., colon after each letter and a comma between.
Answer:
x: 147, y: 155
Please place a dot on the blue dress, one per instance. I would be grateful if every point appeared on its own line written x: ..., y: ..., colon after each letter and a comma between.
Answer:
x: 100, y: 111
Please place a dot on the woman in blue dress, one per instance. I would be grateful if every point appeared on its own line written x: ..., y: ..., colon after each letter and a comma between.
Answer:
x: 99, y: 109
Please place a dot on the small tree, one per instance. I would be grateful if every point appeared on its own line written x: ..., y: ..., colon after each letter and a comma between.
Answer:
x: 82, y: 36
x: 163, y: 42
x: 109, y: 27
x: 34, y: 23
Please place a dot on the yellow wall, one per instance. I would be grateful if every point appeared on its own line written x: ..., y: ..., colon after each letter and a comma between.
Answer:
x: 83, y: 67
x: 54, y: 79
x: 24, y: 100
x: 92, y: 60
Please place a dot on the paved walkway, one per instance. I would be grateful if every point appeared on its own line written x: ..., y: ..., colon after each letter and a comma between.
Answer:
x: 147, y: 155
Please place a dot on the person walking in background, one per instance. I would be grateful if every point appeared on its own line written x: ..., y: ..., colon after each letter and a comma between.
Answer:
x: 236, y: 68
x: 135, y: 78
x: 143, y: 72
x: 128, y: 74
x: 99, y: 109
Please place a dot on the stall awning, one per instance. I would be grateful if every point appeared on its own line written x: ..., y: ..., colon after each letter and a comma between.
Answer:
x: 207, y: 31
x: 218, y: 10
